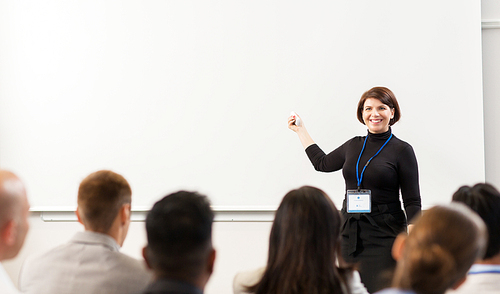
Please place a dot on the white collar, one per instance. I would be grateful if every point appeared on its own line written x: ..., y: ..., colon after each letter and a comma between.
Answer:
x: 484, y: 269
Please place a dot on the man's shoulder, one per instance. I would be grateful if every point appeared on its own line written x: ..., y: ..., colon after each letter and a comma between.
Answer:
x: 48, y: 257
x: 126, y: 261
x: 84, y: 267
x: 63, y: 259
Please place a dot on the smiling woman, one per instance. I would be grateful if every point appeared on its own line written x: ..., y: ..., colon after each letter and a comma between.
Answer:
x: 377, y: 115
x: 378, y: 109
x: 375, y: 168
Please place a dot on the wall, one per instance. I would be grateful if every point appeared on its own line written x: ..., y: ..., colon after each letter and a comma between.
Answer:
x: 243, y: 245
x: 491, y: 92
x: 164, y: 91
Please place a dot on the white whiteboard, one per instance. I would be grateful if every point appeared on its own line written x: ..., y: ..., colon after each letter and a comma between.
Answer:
x: 195, y: 94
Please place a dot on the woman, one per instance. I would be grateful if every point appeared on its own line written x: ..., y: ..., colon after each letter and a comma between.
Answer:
x: 437, y: 254
x: 303, y: 250
x: 375, y: 168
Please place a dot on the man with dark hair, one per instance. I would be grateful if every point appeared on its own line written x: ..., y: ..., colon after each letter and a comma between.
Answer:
x: 14, y: 212
x: 484, y: 275
x: 179, y: 250
x: 91, y: 262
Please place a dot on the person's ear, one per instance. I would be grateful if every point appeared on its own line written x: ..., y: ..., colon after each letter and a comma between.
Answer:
x: 145, y: 255
x: 459, y: 283
x: 398, y: 246
x: 77, y: 212
x: 9, y: 233
x: 125, y: 213
x: 211, y: 261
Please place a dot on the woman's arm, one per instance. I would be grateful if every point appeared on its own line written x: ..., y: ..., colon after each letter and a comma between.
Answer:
x: 321, y: 161
x: 301, y: 131
x: 408, y: 181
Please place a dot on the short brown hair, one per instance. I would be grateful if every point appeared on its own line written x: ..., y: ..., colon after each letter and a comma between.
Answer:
x: 385, y: 96
x: 100, y: 197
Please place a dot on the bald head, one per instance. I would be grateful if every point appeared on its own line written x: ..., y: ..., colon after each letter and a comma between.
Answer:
x: 12, y: 195
x: 14, y: 211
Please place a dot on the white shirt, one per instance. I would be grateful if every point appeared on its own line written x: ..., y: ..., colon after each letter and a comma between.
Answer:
x: 6, y: 285
x: 481, y: 279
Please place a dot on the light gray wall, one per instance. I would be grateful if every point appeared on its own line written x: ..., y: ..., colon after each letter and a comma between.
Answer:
x: 491, y: 92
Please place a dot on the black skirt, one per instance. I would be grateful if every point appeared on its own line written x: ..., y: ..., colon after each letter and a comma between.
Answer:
x: 367, y: 240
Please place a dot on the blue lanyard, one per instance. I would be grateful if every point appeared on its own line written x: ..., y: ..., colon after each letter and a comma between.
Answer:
x: 360, y: 177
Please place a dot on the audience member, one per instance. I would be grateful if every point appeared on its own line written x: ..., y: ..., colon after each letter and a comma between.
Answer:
x: 14, y: 212
x: 438, y: 252
x: 91, y: 262
x: 484, y: 275
x: 179, y: 250
x: 303, y: 250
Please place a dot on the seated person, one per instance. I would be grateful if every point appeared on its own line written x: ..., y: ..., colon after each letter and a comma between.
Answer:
x: 436, y: 255
x: 303, y: 250
x: 91, y: 262
x: 484, y: 275
x: 179, y: 250
x: 14, y: 212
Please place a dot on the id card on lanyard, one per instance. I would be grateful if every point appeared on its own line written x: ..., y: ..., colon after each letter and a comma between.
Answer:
x: 360, y: 200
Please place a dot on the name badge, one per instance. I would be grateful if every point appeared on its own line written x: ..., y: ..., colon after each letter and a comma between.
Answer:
x: 359, y: 201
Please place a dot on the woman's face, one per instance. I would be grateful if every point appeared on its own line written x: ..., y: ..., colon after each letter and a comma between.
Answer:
x: 377, y: 115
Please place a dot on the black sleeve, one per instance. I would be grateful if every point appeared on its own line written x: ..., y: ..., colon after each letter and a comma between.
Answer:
x: 326, y: 163
x: 408, y: 181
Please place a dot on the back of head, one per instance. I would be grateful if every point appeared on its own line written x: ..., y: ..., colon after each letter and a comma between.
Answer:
x: 484, y: 199
x: 303, y: 245
x: 100, y: 197
x: 440, y: 249
x: 179, y: 231
x: 14, y: 212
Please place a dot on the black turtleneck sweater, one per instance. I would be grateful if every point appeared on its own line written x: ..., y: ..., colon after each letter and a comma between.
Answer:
x: 394, y: 168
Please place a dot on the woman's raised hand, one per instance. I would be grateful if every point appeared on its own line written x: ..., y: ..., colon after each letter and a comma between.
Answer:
x: 295, y: 122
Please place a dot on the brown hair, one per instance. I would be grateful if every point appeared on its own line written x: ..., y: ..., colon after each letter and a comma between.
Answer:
x: 100, y: 197
x: 303, y: 246
x: 440, y: 249
x: 385, y: 96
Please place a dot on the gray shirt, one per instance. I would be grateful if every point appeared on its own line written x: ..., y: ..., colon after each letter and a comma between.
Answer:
x: 89, y: 263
